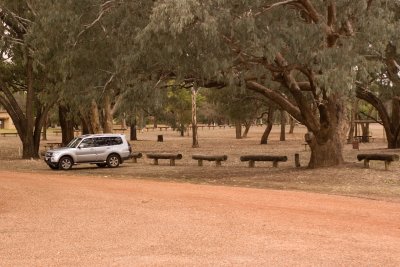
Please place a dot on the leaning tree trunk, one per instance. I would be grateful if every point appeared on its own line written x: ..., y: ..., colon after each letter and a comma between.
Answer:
x: 270, y: 123
x: 247, y: 126
x: 390, y: 124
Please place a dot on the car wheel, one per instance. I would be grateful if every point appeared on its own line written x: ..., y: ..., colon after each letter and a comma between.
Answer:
x: 101, y: 165
x: 65, y: 163
x: 113, y: 161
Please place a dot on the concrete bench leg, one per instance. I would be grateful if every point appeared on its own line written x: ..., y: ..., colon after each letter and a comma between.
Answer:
x: 251, y: 163
x: 200, y: 162
x: 218, y: 163
x: 275, y: 164
x: 172, y: 162
x: 155, y: 161
x: 134, y: 160
x: 366, y: 163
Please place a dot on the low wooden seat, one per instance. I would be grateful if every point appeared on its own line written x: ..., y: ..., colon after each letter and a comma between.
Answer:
x: 387, y: 158
x: 216, y: 158
x: 253, y: 158
x: 171, y: 156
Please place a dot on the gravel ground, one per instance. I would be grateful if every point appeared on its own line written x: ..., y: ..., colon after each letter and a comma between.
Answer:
x: 59, y: 220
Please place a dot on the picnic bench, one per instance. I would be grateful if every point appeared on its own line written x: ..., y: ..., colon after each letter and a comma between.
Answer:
x: 171, y: 156
x: 9, y: 134
x: 135, y: 156
x: 387, y: 158
x: 253, y: 158
x: 216, y: 158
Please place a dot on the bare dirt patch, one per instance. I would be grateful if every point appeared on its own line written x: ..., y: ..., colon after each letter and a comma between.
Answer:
x: 350, y: 179
x: 59, y: 220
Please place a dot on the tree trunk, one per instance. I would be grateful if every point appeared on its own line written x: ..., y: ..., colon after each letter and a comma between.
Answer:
x: 238, y: 127
x: 123, y: 121
x: 283, y: 126
x: 270, y: 123
x: 133, y: 133
x: 352, y: 124
x: 327, y: 142
x: 67, y: 125
x: 394, y: 141
x: 85, y: 127
x: 108, y: 116
x: 94, y: 117
x: 194, y: 118
x: 28, y: 142
x: 44, y: 129
x: 328, y: 153
x: 292, y: 124
x: 365, y: 132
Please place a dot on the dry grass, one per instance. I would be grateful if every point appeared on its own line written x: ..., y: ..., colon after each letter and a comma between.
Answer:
x: 351, y: 179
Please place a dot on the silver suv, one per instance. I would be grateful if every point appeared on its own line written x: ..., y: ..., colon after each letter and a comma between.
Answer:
x: 100, y: 149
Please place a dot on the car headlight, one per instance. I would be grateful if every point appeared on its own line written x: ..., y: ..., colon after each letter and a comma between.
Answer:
x: 55, y: 154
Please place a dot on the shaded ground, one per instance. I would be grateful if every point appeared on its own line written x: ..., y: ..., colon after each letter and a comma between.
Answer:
x: 351, y: 179
x: 61, y: 220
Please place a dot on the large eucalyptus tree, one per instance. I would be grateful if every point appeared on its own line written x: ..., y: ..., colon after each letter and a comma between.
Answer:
x: 22, y: 74
x: 302, y: 54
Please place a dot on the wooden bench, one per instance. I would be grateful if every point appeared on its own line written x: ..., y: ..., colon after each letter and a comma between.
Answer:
x: 163, y: 127
x: 9, y: 134
x: 387, y: 158
x: 216, y: 158
x: 171, y: 156
x: 253, y: 158
x: 135, y: 156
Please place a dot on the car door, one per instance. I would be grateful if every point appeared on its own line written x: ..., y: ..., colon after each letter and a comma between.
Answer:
x: 102, y: 148
x: 86, y: 151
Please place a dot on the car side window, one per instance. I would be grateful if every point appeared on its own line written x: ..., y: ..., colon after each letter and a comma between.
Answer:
x: 88, y: 142
x: 115, y: 140
x: 100, y: 141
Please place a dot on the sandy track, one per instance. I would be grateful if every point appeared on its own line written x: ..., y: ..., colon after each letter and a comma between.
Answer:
x: 64, y: 220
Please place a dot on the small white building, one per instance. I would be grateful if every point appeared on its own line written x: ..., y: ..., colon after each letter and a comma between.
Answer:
x: 5, y: 120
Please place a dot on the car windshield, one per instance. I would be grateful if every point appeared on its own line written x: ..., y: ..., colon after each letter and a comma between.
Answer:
x: 74, y: 142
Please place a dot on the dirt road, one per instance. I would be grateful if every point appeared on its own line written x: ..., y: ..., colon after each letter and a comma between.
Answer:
x: 67, y: 220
